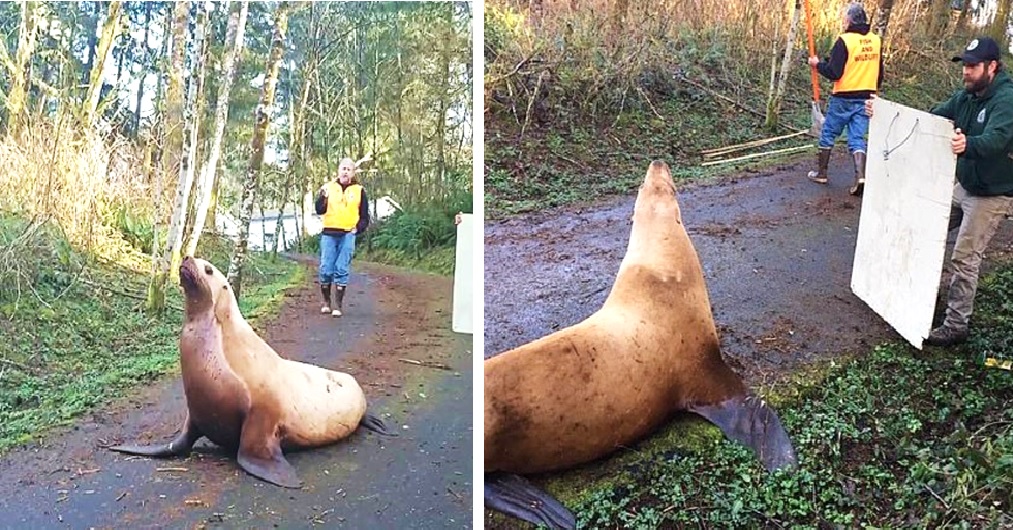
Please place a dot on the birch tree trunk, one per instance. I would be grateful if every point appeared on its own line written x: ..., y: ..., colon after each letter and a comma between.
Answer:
x: 883, y: 18
x: 19, y: 68
x: 263, y: 118
x: 172, y: 151
x: 999, y: 27
x: 174, y: 239
x: 234, y: 34
x: 144, y: 70
x: 775, y: 98
x: 110, y: 30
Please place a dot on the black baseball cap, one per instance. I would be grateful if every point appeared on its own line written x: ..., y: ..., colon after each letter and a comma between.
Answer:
x: 979, y: 50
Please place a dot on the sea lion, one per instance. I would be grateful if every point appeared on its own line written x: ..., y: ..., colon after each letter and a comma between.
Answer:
x: 243, y: 396
x: 604, y: 383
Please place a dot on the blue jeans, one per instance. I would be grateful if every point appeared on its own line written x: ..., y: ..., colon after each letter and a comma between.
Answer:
x: 845, y: 112
x: 336, y: 257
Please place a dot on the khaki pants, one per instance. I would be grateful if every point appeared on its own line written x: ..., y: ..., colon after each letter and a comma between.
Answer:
x: 978, y: 219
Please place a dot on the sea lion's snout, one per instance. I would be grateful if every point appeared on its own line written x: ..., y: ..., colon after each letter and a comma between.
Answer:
x: 187, y: 273
x: 659, y: 179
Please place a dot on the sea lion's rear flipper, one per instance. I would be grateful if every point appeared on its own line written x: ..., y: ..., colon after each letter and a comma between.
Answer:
x: 513, y: 495
x: 179, y: 446
x: 375, y: 424
x: 749, y: 421
x: 260, y: 452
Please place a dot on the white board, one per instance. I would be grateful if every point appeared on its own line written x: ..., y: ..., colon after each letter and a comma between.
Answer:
x: 904, y: 218
x: 464, y: 275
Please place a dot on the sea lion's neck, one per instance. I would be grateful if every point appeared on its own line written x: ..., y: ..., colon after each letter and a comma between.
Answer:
x: 662, y: 245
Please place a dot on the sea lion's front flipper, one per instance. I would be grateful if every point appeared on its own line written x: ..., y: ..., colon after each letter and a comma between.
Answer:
x: 748, y: 420
x: 513, y: 495
x: 179, y: 446
x: 374, y: 423
x: 260, y: 452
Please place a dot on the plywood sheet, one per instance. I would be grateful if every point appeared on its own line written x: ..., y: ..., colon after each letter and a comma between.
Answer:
x: 905, y: 213
x: 464, y: 291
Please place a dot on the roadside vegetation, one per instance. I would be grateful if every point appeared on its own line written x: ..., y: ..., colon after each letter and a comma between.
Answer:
x: 579, y: 101
x: 76, y: 334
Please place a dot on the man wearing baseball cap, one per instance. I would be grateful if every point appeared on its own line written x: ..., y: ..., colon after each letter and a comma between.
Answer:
x: 982, y: 114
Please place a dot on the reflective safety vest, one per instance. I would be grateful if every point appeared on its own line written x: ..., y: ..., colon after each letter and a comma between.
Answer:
x: 861, y: 72
x: 342, y: 206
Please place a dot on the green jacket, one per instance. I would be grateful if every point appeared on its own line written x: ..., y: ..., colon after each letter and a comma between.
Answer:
x: 986, y: 166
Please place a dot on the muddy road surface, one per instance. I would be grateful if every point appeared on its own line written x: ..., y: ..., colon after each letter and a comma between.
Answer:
x: 420, y: 479
x: 776, y: 250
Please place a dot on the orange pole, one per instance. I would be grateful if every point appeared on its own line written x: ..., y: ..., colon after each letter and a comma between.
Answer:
x: 812, y: 51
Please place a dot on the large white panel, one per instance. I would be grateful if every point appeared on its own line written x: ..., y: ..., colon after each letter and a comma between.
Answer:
x: 464, y: 293
x: 905, y: 213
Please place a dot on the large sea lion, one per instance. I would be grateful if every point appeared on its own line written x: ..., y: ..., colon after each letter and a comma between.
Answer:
x: 651, y: 350
x: 243, y: 396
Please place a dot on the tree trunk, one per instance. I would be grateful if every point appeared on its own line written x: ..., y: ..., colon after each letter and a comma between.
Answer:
x: 883, y: 18
x: 145, y: 63
x: 441, y: 124
x: 618, y: 18
x: 92, y: 43
x: 19, y: 69
x: 110, y: 30
x: 172, y: 153
x: 262, y: 115
x: 774, y: 99
x: 234, y: 34
x: 939, y: 17
x: 195, y: 94
x: 1000, y: 24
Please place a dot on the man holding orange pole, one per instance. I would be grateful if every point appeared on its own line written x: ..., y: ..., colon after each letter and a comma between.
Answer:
x: 855, y: 66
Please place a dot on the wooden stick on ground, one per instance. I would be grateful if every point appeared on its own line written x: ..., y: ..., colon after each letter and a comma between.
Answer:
x: 429, y: 364
x: 757, y: 155
x: 717, y: 151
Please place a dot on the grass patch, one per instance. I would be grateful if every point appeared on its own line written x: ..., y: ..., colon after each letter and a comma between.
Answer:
x: 72, y: 345
x: 438, y: 260
x: 897, y: 438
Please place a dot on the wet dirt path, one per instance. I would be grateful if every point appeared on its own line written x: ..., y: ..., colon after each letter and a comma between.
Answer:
x: 420, y: 479
x: 776, y: 250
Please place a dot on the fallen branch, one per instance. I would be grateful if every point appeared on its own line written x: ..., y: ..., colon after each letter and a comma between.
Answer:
x: 15, y: 364
x: 174, y: 469
x: 429, y: 364
x: 682, y: 77
x: 718, y: 151
x: 758, y: 155
x: 719, y: 95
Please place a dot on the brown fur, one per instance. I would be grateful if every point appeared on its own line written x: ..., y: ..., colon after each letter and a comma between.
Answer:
x: 584, y: 391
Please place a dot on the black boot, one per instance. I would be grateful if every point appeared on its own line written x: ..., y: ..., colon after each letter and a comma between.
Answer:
x: 325, y: 289
x: 339, y: 297
x: 859, y: 185
x: 820, y: 176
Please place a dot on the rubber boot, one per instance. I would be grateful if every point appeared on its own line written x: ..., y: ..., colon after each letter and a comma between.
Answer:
x: 325, y: 289
x: 820, y: 176
x: 859, y: 185
x: 339, y: 297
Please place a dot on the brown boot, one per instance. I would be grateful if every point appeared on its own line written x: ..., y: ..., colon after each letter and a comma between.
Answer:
x: 820, y: 176
x: 339, y: 297
x: 325, y: 289
x: 859, y: 185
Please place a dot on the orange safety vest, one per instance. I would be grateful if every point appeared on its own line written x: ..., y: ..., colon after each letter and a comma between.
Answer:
x: 342, y: 206
x: 861, y: 72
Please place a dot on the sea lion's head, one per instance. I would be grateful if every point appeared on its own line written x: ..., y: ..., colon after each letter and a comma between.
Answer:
x: 205, y: 288
x: 657, y: 197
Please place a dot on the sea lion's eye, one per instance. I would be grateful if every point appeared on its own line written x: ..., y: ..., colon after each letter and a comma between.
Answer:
x: 208, y: 269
